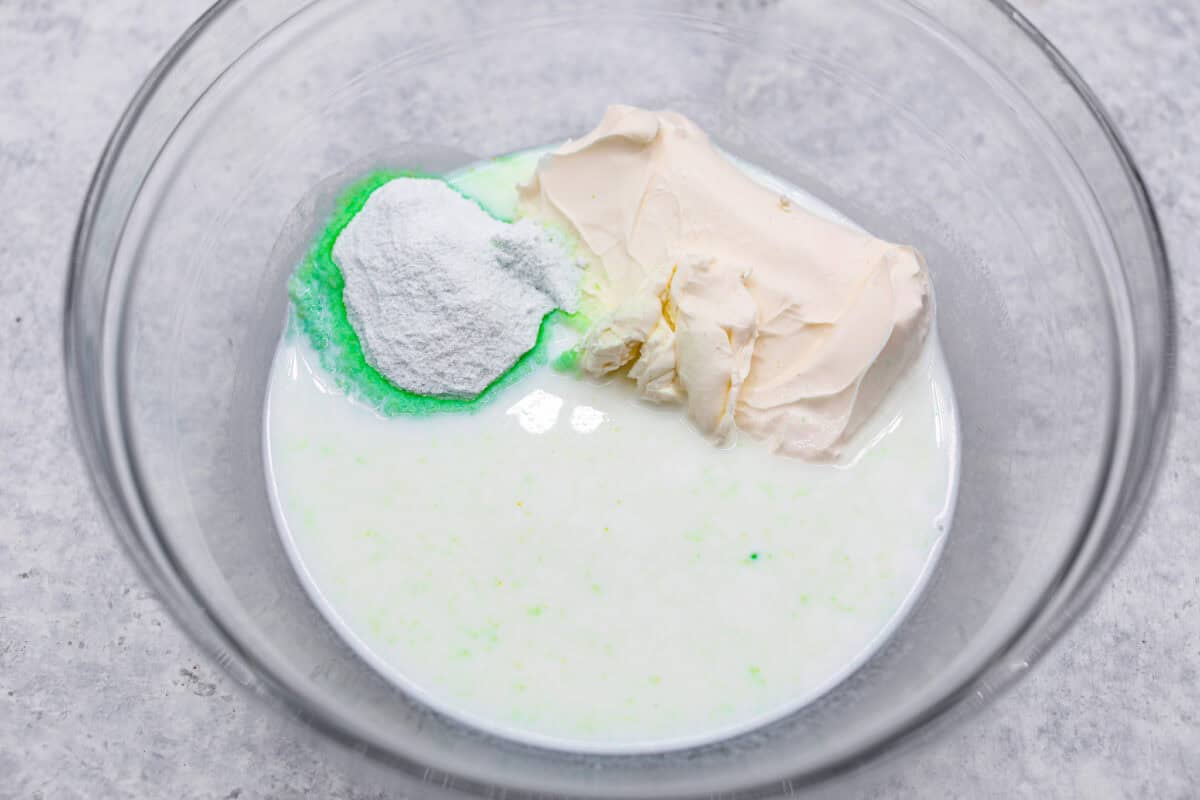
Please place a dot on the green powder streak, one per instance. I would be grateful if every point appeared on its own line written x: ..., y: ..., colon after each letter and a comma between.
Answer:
x: 320, y: 311
x: 568, y: 361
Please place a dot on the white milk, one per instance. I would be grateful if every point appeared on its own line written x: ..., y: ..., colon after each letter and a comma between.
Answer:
x: 572, y: 567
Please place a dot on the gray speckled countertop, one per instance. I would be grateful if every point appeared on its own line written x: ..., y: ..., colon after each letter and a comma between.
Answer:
x: 101, y: 696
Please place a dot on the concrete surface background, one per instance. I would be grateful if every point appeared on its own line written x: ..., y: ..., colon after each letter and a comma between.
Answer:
x: 101, y: 696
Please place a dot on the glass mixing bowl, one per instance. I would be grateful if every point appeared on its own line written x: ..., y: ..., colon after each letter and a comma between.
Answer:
x: 951, y: 125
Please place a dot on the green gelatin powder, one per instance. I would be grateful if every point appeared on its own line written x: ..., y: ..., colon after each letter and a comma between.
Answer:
x: 319, y: 312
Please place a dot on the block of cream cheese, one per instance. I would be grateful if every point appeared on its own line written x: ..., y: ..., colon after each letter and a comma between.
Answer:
x: 720, y: 294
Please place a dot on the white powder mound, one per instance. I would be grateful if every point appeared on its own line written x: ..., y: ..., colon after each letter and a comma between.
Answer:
x: 443, y: 297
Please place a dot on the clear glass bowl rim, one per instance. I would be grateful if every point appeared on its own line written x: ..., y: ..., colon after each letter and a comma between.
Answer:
x: 1075, y: 586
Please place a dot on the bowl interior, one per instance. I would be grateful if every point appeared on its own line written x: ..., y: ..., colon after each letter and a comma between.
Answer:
x: 872, y: 106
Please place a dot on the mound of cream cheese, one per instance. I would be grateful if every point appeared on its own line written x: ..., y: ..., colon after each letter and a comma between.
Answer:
x: 721, y: 295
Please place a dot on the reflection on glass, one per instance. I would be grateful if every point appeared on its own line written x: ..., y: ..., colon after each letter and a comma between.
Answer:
x: 537, y: 412
x: 586, y: 419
